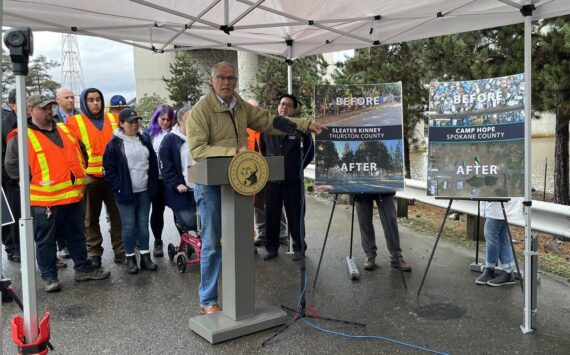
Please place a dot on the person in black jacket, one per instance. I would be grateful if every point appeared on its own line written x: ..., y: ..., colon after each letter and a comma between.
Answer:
x: 290, y: 191
x: 10, y: 233
x: 131, y: 170
x: 175, y: 160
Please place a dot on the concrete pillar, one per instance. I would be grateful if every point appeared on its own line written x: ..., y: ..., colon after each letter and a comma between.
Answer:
x: 248, y: 63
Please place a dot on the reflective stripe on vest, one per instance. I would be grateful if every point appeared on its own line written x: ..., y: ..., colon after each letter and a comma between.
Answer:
x: 66, y: 130
x: 40, y: 154
x: 95, y: 163
x: 55, y: 186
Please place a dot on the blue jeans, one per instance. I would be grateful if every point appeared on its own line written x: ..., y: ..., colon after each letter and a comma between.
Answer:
x: 67, y: 221
x: 498, y: 246
x: 209, y: 203
x: 134, y: 218
x: 186, y: 218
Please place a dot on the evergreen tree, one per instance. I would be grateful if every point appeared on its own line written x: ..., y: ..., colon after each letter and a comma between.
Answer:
x: 146, y: 106
x: 272, y: 82
x: 185, y: 81
x: 39, y: 81
x: 327, y: 155
x: 8, y: 78
x: 552, y: 93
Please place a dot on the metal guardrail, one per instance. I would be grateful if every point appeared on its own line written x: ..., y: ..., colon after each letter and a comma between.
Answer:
x: 547, y: 217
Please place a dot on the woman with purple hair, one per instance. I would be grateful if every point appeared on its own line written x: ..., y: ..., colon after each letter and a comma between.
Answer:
x: 161, y: 122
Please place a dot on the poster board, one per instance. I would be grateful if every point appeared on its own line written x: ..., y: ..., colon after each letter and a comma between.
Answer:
x: 476, y: 138
x: 362, y: 149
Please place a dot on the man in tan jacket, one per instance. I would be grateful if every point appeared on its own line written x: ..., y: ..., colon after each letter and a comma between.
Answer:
x: 218, y: 127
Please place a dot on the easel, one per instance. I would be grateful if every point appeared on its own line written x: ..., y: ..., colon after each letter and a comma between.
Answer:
x: 336, y: 193
x: 502, y: 200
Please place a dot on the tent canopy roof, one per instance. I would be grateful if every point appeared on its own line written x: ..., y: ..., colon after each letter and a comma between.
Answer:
x: 268, y: 26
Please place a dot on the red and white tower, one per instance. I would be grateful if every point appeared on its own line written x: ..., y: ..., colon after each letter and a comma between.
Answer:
x: 71, y: 70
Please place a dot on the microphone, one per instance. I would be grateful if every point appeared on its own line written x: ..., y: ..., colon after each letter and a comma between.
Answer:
x: 284, y: 125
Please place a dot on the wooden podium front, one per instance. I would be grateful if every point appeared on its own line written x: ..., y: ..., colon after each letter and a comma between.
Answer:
x: 241, y: 314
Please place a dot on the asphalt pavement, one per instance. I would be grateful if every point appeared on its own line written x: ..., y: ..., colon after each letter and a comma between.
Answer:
x: 148, y: 313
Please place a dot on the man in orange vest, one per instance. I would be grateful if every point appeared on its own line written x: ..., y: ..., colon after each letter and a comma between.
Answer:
x: 95, y: 129
x: 57, y: 181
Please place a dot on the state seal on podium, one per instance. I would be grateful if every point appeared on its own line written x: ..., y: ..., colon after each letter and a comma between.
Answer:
x: 248, y: 173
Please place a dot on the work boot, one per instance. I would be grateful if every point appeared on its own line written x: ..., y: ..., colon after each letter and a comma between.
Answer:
x: 96, y: 261
x: 96, y: 274
x: 259, y: 242
x: 120, y: 258
x: 487, y: 275
x: 52, y: 285
x: 400, y: 265
x: 146, y: 263
x: 210, y: 309
x: 504, y: 278
x: 369, y: 264
x: 158, y: 252
x: 132, y: 267
x: 270, y: 255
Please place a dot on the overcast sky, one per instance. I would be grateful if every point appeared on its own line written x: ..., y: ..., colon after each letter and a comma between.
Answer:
x: 107, y: 65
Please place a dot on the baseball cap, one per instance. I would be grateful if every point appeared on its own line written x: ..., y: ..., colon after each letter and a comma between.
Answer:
x: 40, y: 101
x: 118, y: 101
x: 128, y: 115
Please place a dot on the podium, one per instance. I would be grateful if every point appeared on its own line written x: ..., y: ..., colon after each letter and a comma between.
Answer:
x: 241, y: 314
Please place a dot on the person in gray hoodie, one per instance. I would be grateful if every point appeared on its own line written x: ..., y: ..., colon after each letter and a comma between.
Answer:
x: 131, y: 170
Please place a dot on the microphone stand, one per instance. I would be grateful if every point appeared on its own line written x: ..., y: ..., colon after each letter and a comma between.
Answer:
x: 301, y: 310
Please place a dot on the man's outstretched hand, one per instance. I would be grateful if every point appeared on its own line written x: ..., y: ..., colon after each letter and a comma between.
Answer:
x: 316, y: 127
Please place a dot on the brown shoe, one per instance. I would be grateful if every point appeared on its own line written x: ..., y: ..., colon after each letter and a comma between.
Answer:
x: 402, y: 265
x: 210, y: 309
x: 370, y: 264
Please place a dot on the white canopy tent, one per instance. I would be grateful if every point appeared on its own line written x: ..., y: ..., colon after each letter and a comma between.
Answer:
x: 287, y: 29
x: 264, y: 26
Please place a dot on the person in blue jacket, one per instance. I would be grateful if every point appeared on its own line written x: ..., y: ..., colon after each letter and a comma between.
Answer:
x: 175, y: 160
x: 131, y: 170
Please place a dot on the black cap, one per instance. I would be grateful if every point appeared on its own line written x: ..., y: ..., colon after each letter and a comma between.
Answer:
x: 128, y: 115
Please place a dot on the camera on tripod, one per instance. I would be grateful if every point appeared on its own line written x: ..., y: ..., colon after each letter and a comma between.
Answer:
x: 20, y: 43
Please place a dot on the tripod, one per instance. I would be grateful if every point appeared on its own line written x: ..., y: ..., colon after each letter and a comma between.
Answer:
x: 7, y: 290
x: 302, y: 308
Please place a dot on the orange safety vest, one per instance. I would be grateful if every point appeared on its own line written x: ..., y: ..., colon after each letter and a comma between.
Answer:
x: 253, y: 138
x: 51, y: 168
x: 95, y: 141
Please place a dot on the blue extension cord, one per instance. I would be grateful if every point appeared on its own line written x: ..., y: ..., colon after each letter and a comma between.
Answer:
x: 314, y: 326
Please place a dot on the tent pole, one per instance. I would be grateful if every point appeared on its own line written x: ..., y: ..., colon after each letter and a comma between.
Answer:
x: 1, y: 162
x: 289, y: 62
x: 529, y: 254
x: 290, y: 77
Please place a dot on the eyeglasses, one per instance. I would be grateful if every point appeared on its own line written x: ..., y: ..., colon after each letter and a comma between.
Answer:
x: 285, y: 104
x: 226, y: 78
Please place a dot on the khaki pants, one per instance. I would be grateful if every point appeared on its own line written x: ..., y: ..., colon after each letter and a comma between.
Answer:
x: 97, y: 192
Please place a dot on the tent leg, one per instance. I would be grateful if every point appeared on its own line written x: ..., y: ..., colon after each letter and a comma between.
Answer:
x: 529, y: 273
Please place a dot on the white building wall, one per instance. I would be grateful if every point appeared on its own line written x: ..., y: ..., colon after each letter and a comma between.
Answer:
x: 150, y: 67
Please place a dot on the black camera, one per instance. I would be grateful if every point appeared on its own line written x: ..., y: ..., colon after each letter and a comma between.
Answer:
x: 20, y: 43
